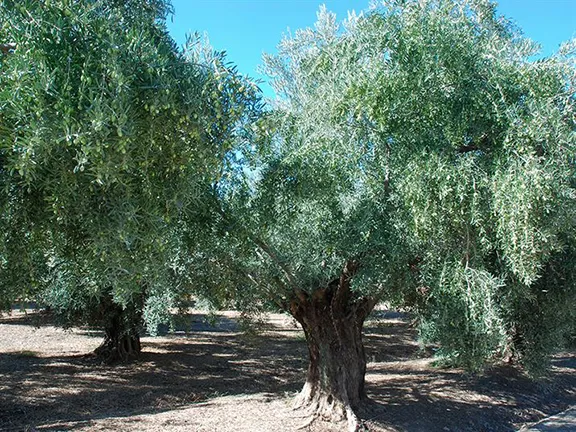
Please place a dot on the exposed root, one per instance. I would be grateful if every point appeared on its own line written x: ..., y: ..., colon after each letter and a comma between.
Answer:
x: 114, y: 351
x: 352, y: 418
x: 327, y: 407
x: 308, y: 423
x: 304, y: 398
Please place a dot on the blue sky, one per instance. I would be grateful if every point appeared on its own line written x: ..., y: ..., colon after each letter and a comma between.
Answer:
x: 247, y: 28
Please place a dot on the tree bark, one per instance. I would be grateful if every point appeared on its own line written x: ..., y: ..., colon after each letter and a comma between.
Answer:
x: 332, y: 320
x: 121, y: 334
x: 6, y: 48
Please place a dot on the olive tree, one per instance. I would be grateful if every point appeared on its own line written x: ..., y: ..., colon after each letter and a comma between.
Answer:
x: 415, y: 154
x: 110, y: 134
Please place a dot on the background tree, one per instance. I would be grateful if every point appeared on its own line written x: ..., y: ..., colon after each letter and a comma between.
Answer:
x: 416, y: 154
x: 109, y: 135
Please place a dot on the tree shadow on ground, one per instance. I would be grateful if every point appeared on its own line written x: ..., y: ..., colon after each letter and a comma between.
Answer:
x: 201, y: 363
x: 172, y: 372
x: 26, y: 317
x: 409, y: 394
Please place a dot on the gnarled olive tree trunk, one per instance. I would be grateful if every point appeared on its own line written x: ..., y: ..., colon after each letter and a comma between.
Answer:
x: 121, y: 332
x: 332, y: 319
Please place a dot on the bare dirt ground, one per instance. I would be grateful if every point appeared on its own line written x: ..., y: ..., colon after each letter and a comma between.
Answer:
x: 217, y: 379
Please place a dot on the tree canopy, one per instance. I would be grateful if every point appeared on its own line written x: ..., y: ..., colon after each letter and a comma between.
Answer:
x: 109, y: 135
x: 416, y: 154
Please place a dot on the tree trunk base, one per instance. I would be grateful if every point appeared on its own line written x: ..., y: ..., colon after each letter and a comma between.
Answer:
x: 121, y: 332
x: 332, y: 320
x: 326, y: 407
x: 119, y: 349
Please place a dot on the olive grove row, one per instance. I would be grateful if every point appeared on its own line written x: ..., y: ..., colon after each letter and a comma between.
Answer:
x: 415, y: 154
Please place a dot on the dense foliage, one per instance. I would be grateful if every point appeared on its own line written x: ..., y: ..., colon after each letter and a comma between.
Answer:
x: 442, y: 157
x: 109, y: 135
x: 416, y: 154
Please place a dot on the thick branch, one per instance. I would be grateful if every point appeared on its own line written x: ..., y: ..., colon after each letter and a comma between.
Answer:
x: 271, y: 253
x: 343, y: 290
x: 481, y: 144
x: 7, y: 47
x: 273, y: 256
x: 467, y: 148
x: 364, y: 308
